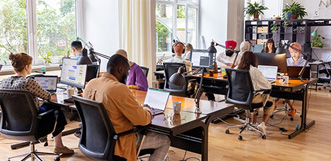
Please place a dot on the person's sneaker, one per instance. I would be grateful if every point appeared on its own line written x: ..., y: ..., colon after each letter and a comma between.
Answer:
x: 292, y: 112
x: 63, y: 150
x: 263, y: 128
x: 78, y: 133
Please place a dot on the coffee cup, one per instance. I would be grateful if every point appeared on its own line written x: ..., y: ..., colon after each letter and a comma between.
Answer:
x: 70, y: 92
x: 176, y: 107
x: 211, y: 73
x: 285, y: 79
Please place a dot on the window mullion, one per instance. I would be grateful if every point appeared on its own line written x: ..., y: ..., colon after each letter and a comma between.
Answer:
x: 186, y: 22
x: 32, y: 30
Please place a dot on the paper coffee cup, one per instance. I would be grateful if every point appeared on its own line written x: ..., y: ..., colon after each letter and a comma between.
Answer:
x: 176, y: 107
x: 70, y: 92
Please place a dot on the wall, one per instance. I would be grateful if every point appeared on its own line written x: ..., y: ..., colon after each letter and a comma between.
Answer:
x: 101, y: 26
x: 221, y: 20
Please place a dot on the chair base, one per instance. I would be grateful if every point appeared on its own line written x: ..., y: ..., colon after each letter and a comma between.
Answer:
x: 245, y: 125
x: 34, y: 154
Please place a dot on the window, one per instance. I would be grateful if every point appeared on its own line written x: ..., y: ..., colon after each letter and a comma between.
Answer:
x: 37, y: 27
x: 175, y: 19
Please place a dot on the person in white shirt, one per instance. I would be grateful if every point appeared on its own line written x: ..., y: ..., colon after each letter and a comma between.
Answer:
x: 178, y: 49
x: 228, y: 59
x: 188, y: 48
x: 249, y: 62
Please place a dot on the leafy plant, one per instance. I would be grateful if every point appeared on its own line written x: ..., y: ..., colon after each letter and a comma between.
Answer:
x: 254, y: 8
x: 317, y: 41
x: 47, y: 58
x: 295, y: 9
x: 274, y: 28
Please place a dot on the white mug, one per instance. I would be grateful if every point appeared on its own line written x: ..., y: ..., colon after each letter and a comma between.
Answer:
x: 285, y: 79
x: 70, y: 92
x: 176, y: 107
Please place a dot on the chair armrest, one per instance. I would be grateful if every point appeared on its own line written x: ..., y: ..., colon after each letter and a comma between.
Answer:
x: 135, y: 129
x: 42, y: 115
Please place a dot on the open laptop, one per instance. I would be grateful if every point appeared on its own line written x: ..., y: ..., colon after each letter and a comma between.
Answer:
x: 157, y: 100
x: 48, y: 82
x: 269, y: 72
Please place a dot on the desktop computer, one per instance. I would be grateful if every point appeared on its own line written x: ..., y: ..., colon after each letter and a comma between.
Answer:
x: 273, y: 60
x: 201, y: 58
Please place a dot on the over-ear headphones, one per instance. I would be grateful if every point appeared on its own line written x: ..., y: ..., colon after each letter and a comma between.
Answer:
x: 178, y: 42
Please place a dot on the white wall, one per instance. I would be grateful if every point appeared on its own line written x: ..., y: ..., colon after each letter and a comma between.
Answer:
x: 101, y: 26
x: 221, y: 20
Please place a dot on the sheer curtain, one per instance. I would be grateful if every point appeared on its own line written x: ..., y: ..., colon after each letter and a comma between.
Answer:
x: 137, y: 32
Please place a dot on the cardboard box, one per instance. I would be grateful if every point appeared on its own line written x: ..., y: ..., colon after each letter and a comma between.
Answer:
x: 262, y: 29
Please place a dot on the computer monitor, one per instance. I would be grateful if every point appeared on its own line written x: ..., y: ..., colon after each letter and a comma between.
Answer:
x: 273, y: 60
x: 73, y: 74
x: 201, y: 58
x: 92, y: 72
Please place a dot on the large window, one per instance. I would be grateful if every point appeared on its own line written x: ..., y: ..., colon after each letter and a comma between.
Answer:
x: 175, y: 19
x: 37, y: 27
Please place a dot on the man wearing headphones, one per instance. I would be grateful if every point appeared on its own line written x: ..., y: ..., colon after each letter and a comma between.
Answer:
x: 178, y: 49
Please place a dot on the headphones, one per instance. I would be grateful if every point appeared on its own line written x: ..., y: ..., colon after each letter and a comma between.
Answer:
x: 177, y: 42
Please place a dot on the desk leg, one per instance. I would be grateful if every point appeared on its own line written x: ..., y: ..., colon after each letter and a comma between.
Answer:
x: 204, y: 147
x: 303, y: 125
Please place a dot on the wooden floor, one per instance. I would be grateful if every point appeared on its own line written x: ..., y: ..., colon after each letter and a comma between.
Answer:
x: 314, y: 144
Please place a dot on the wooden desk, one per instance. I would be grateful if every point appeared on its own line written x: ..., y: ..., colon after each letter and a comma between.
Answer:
x: 294, y: 90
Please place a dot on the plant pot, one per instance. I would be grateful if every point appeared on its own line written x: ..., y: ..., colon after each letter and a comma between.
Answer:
x: 288, y: 15
x: 278, y: 18
x: 256, y: 16
x: 294, y: 17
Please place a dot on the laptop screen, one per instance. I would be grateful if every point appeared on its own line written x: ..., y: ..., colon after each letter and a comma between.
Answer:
x: 269, y: 72
x: 156, y: 98
x: 49, y: 83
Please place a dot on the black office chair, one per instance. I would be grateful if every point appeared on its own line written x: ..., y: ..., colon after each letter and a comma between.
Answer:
x: 145, y: 70
x: 169, y: 69
x: 98, y: 137
x: 20, y: 120
x: 241, y: 93
x: 327, y: 72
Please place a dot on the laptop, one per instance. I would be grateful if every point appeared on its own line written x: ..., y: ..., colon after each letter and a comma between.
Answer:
x: 157, y: 100
x: 48, y: 82
x: 269, y: 72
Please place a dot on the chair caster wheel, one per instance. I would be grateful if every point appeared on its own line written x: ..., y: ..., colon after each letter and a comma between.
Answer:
x: 264, y: 136
x: 227, y: 131
x: 319, y: 89
x: 291, y: 118
x: 272, y: 116
x: 330, y: 90
x: 57, y: 158
x: 324, y: 87
x: 240, y: 137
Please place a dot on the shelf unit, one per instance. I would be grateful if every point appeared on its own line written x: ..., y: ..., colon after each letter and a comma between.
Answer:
x: 294, y: 28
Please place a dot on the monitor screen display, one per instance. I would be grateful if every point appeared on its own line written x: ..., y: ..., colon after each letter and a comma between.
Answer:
x: 73, y: 74
x: 201, y: 58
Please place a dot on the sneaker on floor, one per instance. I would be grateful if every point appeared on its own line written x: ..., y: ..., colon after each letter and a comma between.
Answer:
x: 78, y: 133
x: 63, y: 150
x: 292, y: 112
x: 262, y: 128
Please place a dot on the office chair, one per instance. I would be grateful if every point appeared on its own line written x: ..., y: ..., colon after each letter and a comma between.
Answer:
x: 98, y: 136
x: 169, y: 70
x: 241, y: 93
x: 20, y: 120
x: 145, y: 70
x: 327, y: 71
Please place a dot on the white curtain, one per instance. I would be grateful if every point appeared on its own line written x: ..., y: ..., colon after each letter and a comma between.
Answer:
x: 137, y: 27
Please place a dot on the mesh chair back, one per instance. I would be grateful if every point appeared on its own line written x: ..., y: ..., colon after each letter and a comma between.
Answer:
x: 19, y: 114
x: 145, y: 70
x: 240, y: 91
x: 169, y: 70
x: 97, y: 138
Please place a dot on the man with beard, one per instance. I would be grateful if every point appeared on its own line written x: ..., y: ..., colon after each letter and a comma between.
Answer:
x: 226, y: 60
x: 124, y: 111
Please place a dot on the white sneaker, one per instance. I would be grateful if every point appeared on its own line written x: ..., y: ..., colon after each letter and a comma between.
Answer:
x: 263, y: 128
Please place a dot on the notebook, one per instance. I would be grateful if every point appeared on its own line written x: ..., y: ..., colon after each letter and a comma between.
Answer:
x: 269, y: 72
x: 157, y: 100
x: 48, y: 82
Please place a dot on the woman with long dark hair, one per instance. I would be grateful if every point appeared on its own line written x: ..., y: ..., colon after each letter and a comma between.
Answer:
x: 249, y: 62
x: 270, y: 46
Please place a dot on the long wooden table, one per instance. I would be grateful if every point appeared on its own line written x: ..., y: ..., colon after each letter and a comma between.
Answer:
x: 294, y: 90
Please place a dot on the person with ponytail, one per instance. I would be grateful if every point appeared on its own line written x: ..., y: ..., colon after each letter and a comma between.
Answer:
x: 22, y: 64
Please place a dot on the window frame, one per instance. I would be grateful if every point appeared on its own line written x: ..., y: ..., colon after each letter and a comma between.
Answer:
x: 187, y: 5
x: 31, y: 7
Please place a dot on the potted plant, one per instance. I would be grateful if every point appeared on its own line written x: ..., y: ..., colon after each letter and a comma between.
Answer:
x: 317, y: 41
x: 255, y: 9
x: 294, y: 11
x: 47, y: 59
x: 274, y: 28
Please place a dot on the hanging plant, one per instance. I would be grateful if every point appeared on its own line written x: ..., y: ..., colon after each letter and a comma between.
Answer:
x: 317, y: 41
